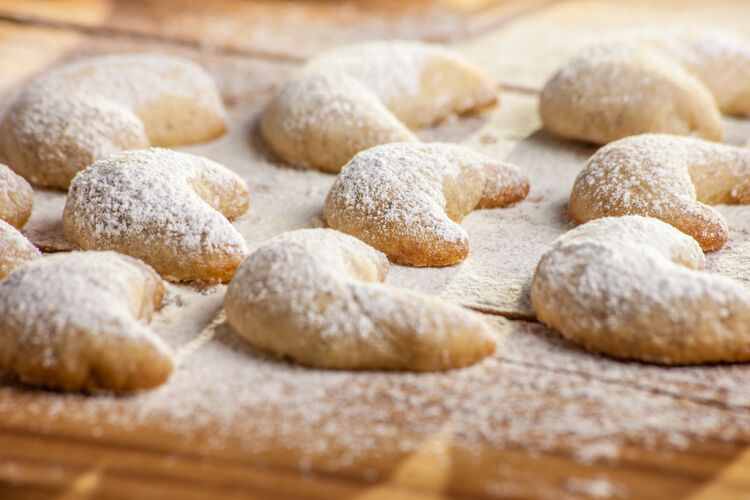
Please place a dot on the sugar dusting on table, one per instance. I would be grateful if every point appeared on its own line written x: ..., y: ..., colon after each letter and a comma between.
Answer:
x: 151, y: 194
x: 537, y: 393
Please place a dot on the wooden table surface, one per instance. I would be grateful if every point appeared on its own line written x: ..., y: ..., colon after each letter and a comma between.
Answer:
x: 51, y: 454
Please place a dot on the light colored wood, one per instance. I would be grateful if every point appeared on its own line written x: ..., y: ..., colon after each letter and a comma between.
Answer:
x: 27, y: 50
x: 546, y: 37
x: 70, y: 468
x: 292, y: 29
x: 83, y: 12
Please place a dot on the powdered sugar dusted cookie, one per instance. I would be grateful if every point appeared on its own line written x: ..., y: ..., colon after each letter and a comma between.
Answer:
x: 354, y: 97
x: 315, y: 296
x: 16, y: 198
x: 720, y: 60
x: 75, y: 321
x: 616, y: 90
x: 671, y: 178
x: 406, y: 199
x: 633, y: 287
x: 167, y: 208
x: 80, y: 113
x: 323, y: 119
x: 15, y: 249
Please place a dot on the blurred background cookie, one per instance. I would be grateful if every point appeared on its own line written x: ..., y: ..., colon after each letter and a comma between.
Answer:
x: 75, y: 115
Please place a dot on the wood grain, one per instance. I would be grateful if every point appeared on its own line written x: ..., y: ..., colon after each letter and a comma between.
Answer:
x: 293, y: 29
x: 26, y: 51
x: 548, y: 36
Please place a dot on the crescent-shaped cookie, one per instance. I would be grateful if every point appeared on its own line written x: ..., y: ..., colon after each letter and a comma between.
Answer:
x: 315, y: 296
x: 406, y: 199
x: 633, y: 287
x: 15, y: 249
x: 668, y: 177
x: 355, y: 97
x: 721, y: 61
x: 166, y: 208
x: 616, y: 90
x: 16, y: 198
x: 75, y: 321
x: 69, y: 118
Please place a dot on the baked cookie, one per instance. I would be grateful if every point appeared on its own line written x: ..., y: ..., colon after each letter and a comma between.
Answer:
x: 406, y: 199
x: 616, y: 90
x: 166, y: 208
x: 315, y: 296
x: 75, y: 321
x: 16, y: 198
x: 632, y: 287
x: 721, y: 61
x: 322, y: 120
x: 668, y: 177
x: 15, y: 249
x: 69, y: 118
x: 355, y: 97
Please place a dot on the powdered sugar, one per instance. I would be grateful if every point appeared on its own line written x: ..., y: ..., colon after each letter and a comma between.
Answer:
x: 668, y: 81
x: 292, y: 270
x: 156, y: 200
x: 314, y: 295
x: 231, y: 401
x: 45, y: 297
x: 52, y: 124
x: 359, y: 96
x: 576, y: 77
x: 663, y: 176
x: 402, y: 196
x: 618, y: 285
x: 15, y: 249
x: 594, y: 488
x: 689, y: 45
x: 61, y: 313
x: 410, y: 78
x: 44, y: 228
x: 392, y: 70
x: 16, y: 199
x: 537, y: 393
x: 401, y: 184
x: 720, y: 60
x: 69, y: 118
x: 336, y: 98
x: 610, y: 91
x: 135, y: 81
x: 420, y: 83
